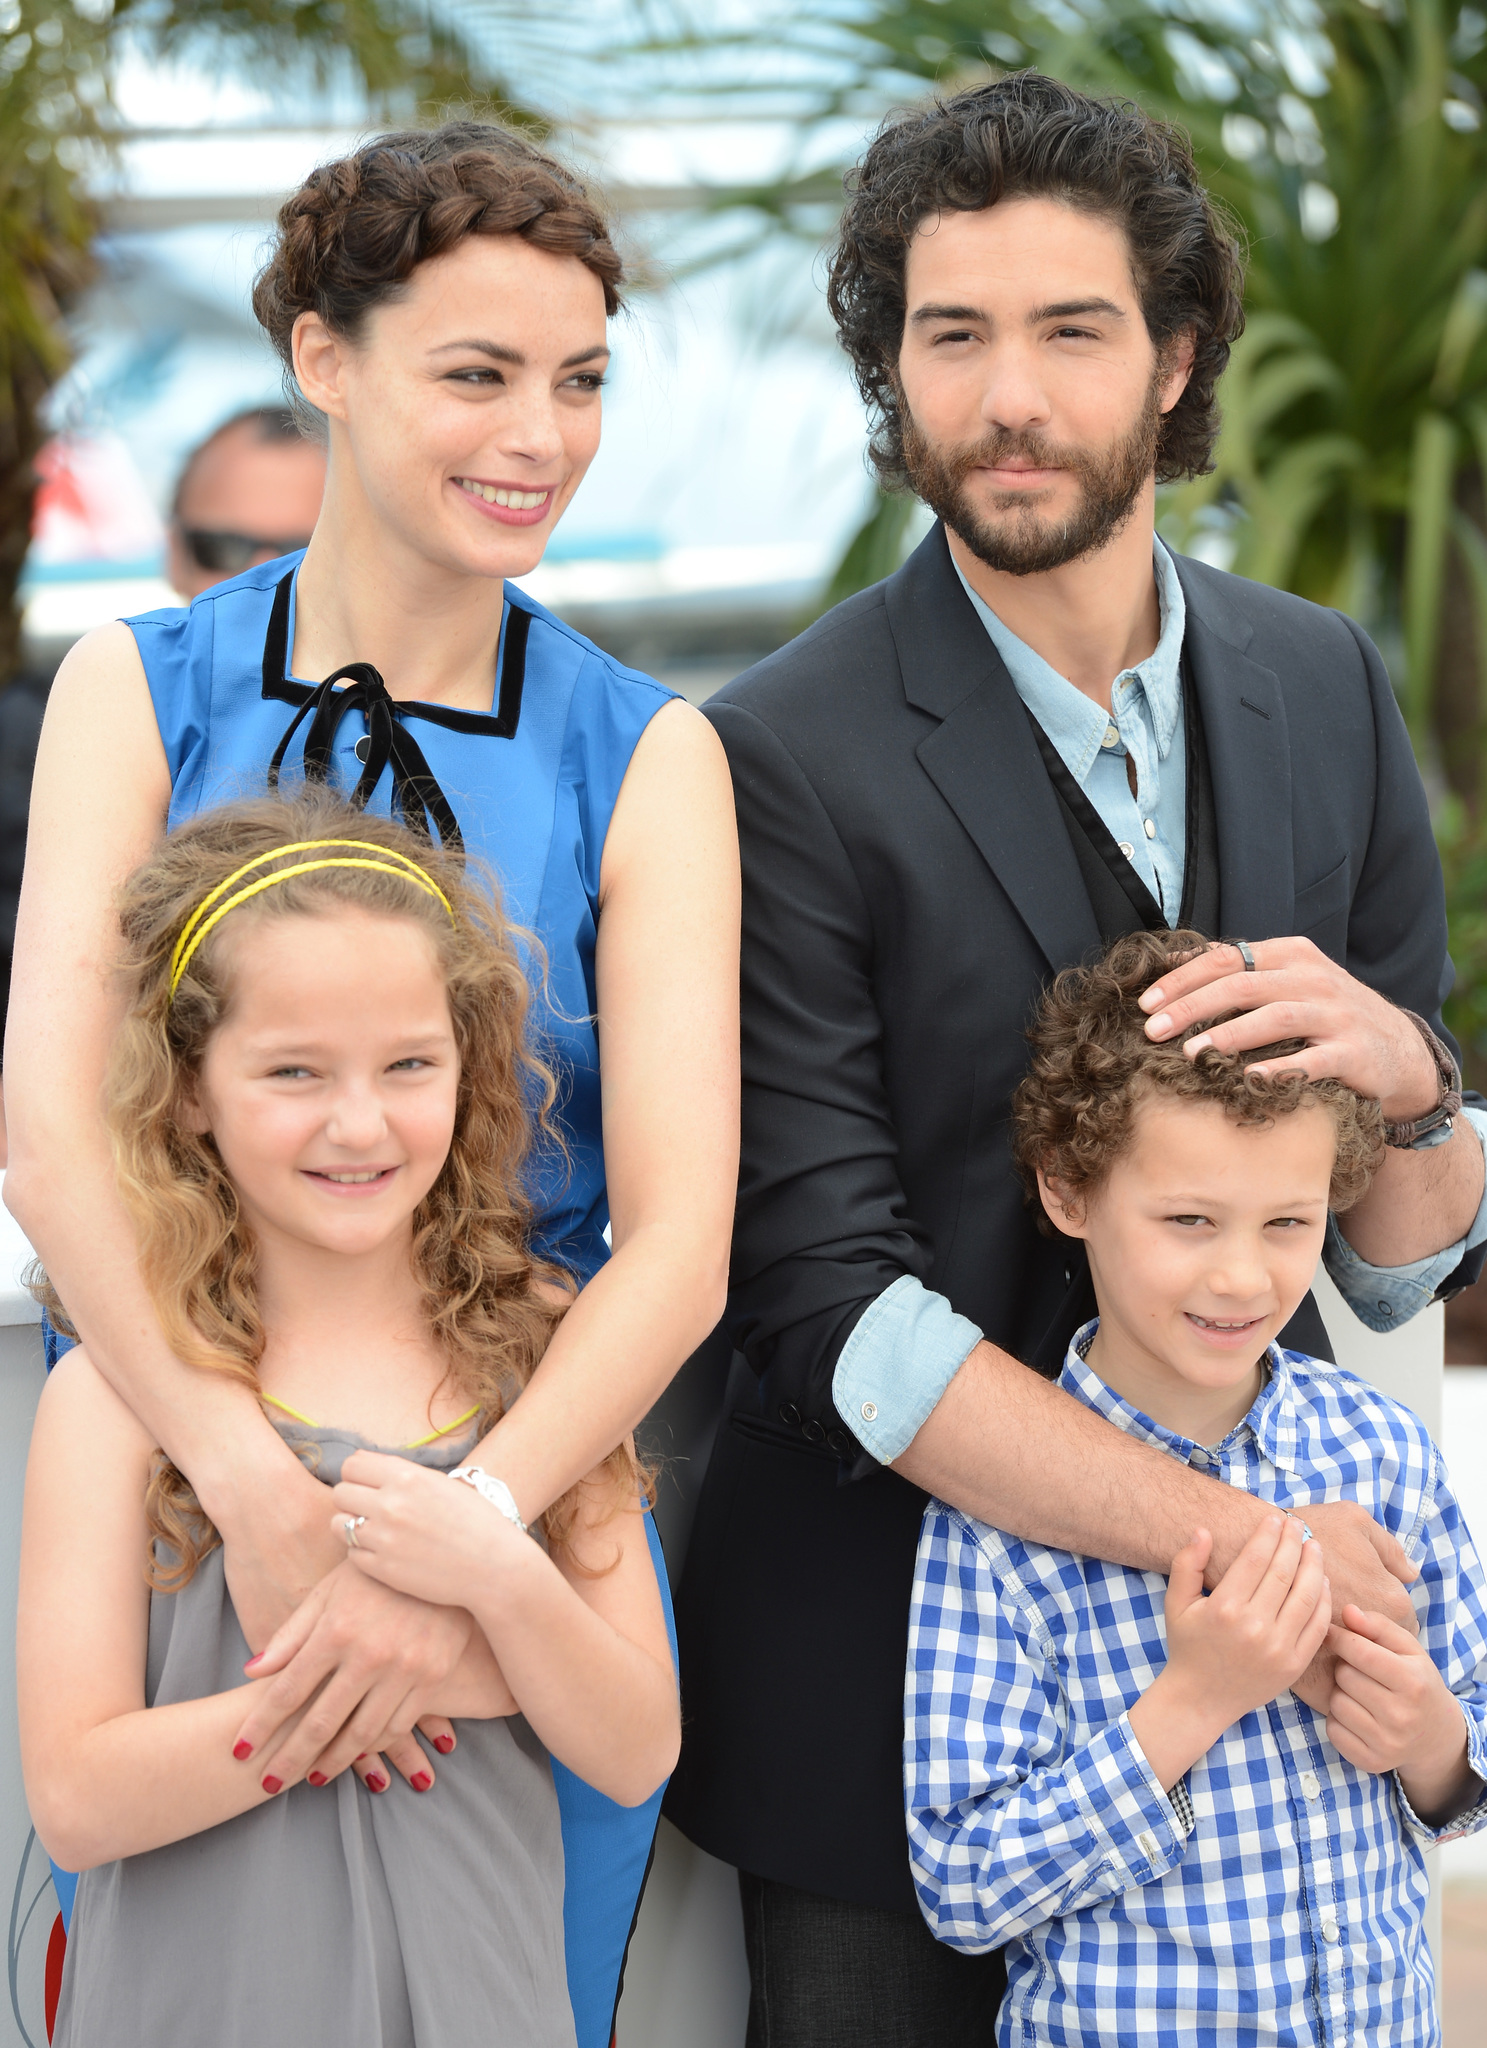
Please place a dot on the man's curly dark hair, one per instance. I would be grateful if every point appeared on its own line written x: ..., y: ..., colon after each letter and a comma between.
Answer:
x: 1074, y: 1111
x: 1029, y: 136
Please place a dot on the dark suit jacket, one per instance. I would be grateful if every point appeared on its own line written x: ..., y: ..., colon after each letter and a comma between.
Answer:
x: 909, y: 886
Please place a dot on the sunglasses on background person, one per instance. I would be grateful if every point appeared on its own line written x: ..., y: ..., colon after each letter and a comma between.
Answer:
x: 228, y: 554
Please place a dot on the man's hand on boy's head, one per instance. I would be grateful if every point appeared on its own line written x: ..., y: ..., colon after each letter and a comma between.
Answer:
x: 1391, y: 1710
x: 1296, y: 991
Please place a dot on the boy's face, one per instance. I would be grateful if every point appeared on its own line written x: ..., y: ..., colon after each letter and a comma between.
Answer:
x: 1202, y: 1243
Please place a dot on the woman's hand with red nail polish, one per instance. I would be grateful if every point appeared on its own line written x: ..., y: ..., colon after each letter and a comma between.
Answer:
x: 421, y: 1780
x: 435, y: 1729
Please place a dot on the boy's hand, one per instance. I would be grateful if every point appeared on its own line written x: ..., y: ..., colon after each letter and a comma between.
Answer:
x: 1227, y: 1654
x: 1260, y: 1627
x: 1391, y: 1710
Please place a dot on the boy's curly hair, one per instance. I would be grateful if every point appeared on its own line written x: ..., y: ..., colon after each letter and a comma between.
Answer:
x: 1073, y: 1114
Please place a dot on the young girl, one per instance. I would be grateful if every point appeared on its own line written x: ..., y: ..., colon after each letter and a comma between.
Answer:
x: 320, y: 1110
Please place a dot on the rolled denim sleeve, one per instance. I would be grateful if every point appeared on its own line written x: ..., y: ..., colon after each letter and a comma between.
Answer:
x: 906, y: 1348
x: 1384, y: 1297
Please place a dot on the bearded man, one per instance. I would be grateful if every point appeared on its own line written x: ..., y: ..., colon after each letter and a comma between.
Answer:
x: 1044, y: 730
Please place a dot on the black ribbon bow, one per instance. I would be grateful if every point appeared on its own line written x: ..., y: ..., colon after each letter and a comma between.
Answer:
x: 416, y: 794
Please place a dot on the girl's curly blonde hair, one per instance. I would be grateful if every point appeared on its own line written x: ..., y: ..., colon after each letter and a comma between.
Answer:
x: 491, y: 1305
x: 1073, y: 1113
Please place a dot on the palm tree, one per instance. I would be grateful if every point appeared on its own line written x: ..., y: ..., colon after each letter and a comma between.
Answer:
x: 58, y: 63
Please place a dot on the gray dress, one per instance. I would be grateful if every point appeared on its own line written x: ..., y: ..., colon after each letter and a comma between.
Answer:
x: 333, y: 1916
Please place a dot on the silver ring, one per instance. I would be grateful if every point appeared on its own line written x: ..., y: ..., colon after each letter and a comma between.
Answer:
x: 351, y: 1524
x: 1251, y: 966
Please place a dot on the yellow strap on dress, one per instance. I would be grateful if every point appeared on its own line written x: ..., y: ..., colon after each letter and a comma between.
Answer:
x: 418, y: 1442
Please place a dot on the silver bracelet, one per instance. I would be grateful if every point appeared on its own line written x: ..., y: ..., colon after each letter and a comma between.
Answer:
x: 496, y: 1491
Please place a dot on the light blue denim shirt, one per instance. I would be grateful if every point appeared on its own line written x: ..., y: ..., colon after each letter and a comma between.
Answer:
x: 1144, y: 726
x: 909, y: 1343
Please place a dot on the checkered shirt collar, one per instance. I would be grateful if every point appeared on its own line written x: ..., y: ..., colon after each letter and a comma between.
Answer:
x: 1270, y: 1424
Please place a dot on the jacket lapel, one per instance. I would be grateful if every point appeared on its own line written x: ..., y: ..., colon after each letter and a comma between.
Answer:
x: 982, y: 756
x: 1249, y: 751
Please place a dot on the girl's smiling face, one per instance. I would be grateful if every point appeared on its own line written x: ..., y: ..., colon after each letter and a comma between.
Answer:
x: 330, y: 1087
x: 1202, y: 1242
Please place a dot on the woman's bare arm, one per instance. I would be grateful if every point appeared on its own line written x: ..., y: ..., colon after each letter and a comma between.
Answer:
x: 668, y: 1046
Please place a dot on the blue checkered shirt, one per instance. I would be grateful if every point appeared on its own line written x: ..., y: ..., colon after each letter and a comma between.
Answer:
x: 1280, y: 1895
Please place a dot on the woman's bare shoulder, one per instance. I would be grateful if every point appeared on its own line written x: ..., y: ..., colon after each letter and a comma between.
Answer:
x: 103, y: 670
x: 101, y: 770
x: 674, y: 813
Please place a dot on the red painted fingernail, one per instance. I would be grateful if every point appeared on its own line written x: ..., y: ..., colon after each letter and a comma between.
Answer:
x: 360, y: 1759
x: 253, y: 1660
x: 444, y: 1744
x: 317, y: 1778
x: 376, y: 1782
x: 273, y: 1785
x: 242, y: 1751
x: 421, y: 1780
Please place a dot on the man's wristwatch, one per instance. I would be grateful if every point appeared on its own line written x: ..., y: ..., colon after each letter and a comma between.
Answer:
x: 1437, y: 1124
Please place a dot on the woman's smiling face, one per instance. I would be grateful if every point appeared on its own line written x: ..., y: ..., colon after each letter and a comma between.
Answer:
x: 469, y: 406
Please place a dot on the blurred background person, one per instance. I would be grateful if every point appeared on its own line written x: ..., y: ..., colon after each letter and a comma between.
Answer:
x: 249, y: 492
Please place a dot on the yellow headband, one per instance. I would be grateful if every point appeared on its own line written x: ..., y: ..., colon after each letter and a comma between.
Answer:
x: 199, y: 924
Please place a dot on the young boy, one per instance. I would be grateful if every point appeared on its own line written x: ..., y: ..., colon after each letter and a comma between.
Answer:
x: 1108, y: 1773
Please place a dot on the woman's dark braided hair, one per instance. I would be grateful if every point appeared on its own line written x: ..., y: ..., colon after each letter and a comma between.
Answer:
x: 357, y: 229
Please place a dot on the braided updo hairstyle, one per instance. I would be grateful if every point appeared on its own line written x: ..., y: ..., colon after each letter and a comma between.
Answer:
x: 357, y: 229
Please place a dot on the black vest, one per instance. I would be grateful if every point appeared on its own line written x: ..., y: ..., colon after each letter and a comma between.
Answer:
x: 1120, y: 899
x: 1122, y: 903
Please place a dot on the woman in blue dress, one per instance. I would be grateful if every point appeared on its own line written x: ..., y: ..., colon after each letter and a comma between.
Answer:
x: 440, y: 301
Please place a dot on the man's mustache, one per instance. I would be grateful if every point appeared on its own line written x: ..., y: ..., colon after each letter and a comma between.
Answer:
x: 999, y: 448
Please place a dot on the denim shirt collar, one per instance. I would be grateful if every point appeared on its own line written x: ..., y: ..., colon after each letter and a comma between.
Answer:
x: 1075, y: 723
x: 1270, y: 1423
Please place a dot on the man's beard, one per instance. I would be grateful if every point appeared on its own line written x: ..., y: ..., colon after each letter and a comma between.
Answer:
x: 1024, y: 542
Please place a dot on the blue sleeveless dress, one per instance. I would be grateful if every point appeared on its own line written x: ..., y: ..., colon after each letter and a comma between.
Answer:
x: 531, y: 787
